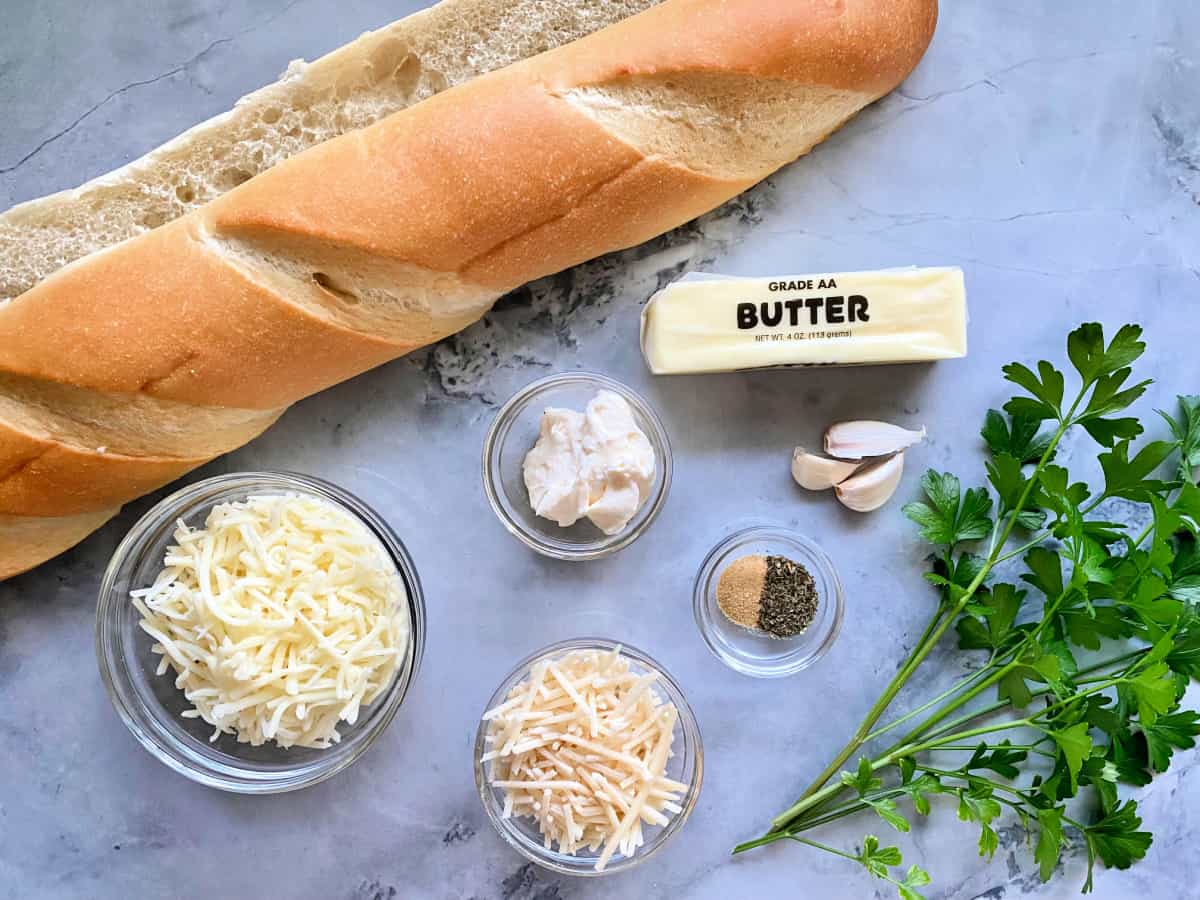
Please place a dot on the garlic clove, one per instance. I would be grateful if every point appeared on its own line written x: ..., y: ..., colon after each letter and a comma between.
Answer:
x: 819, y: 473
x: 872, y: 486
x: 859, y: 440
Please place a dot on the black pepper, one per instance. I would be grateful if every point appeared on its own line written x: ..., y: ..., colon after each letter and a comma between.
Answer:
x: 789, y: 598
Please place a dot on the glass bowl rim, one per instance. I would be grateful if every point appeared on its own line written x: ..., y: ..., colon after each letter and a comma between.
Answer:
x: 692, y: 744
x: 499, y: 430
x: 704, y: 582
x: 112, y: 661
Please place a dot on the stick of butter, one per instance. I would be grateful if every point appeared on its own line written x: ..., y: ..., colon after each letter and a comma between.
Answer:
x: 711, y: 323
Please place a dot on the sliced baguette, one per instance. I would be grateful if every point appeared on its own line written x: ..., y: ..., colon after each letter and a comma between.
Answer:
x: 382, y: 72
x: 386, y: 238
x: 354, y: 86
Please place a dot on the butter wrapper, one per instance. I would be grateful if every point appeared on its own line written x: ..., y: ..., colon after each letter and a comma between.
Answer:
x: 707, y: 323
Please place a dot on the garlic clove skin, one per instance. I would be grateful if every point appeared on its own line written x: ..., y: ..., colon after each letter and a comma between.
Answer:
x: 872, y: 486
x: 860, y: 440
x: 819, y: 473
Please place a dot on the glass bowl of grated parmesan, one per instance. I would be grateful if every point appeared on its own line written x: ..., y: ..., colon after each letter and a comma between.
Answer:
x: 258, y: 631
x: 588, y: 758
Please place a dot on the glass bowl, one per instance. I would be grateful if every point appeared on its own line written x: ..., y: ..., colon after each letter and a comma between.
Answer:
x: 686, y: 766
x: 750, y: 651
x: 515, y: 431
x: 150, y: 704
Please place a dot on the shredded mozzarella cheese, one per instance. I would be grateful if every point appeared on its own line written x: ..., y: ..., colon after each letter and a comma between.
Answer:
x: 281, y: 617
x: 581, y: 747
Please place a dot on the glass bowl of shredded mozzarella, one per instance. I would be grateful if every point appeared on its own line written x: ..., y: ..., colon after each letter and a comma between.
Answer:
x: 257, y: 631
x: 588, y: 758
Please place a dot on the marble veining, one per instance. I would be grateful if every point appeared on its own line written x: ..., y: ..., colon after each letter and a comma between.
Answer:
x: 1051, y: 149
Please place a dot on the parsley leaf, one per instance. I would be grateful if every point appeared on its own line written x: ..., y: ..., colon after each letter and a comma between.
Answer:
x: 876, y: 859
x: 997, y: 611
x: 1125, y: 477
x: 1115, y: 840
x: 1186, y: 589
x: 1012, y: 687
x: 1046, y: 387
x: 1186, y: 430
x: 951, y: 516
x: 1107, y: 398
x: 1087, y: 627
x: 1001, y: 759
x: 1045, y: 571
x: 888, y: 811
x: 956, y: 576
x: 914, y: 878
x: 1050, y: 840
x: 1074, y: 745
x: 975, y: 804
x: 919, y: 787
x: 880, y: 860
x: 1154, y: 690
x: 1017, y: 436
x: 1187, y: 558
x: 1057, y: 493
x: 1004, y: 472
x: 1168, y: 733
x: 1184, y: 658
x: 863, y: 780
x: 1092, y: 360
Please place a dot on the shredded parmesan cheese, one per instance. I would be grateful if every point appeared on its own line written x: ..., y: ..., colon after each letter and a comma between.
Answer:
x: 581, y: 747
x: 281, y: 617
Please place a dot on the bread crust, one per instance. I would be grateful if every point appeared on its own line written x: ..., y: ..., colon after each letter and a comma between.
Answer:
x: 200, y: 331
x: 28, y: 541
x: 385, y: 239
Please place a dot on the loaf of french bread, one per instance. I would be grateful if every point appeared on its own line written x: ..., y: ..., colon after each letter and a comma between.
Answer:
x: 188, y: 330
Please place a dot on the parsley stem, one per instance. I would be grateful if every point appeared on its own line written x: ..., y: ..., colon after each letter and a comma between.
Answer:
x: 1002, y: 704
x: 1024, y: 548
x: 940, y: 737
x: 824, y: 847
x: 761, y: 841
x: 997, y: 675
x: 1115, y: 661
x: 862, y: 734
x: 958, y: 686
x: 969, y: 748
x: 1028, y: 808
x: 935, y: 742
x: 969, y: 717
x: 1102, y: 686
x: 834, y: 814
x: 787, y: 835
x: 786, y: 818
x: 913, y: 749
x: 980, y: 779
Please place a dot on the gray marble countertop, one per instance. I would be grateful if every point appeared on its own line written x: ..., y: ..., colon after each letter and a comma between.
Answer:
x: 1050, y: 149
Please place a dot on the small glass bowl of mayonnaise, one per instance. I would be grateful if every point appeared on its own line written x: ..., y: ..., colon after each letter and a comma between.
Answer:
x: 514, y: 433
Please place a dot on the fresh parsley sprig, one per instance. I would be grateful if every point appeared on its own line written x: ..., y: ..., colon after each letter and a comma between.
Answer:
x: 1086, y: 654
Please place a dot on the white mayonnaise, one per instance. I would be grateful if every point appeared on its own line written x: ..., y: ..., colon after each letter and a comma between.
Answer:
x: 597, y: 465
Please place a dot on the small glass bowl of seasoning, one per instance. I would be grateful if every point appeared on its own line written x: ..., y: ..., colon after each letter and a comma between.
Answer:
x: 768, y: 602
x: 515, y: 431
